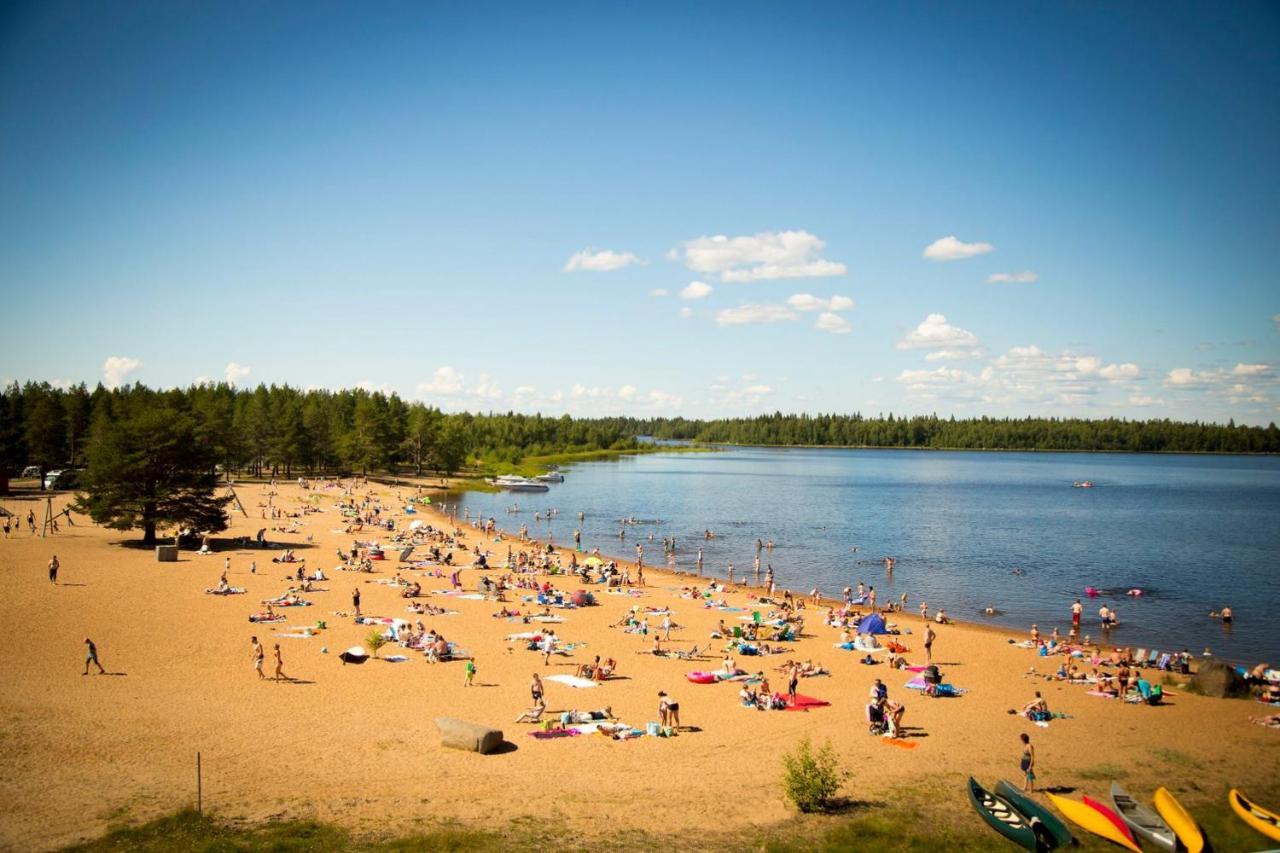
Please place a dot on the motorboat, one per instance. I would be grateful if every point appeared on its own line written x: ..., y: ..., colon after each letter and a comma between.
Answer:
x: 1082, y: 484
x: 550, y: 477
x: 515, y: 483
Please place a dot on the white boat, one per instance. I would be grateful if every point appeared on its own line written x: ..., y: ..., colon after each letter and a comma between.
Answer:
x: 550, y: 477
x: 514, y: 483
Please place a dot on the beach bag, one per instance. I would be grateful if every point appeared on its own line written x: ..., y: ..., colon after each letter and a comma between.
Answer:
x: 652, y: 729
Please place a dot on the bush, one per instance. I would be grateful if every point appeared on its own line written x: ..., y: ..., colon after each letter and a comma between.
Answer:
x: 375, y: 641
x: 811, y: 780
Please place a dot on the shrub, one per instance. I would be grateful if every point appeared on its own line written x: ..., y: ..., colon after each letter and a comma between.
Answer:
x: 811, y: 780
x: 375, y: 641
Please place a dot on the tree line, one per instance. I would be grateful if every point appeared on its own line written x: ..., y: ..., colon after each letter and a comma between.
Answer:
x: 278, y: 430
x: 1067, y: 434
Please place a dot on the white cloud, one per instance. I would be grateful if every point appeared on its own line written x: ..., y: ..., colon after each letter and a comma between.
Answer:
x: 950, y: 249
x: 758, y: 257
x: 116, y: 368
x: 374, y: 388
x: 1185, y: 377
x: 658, y: 291
x: 485, y: 388
x: 604, y: 260
x: 445, y: 380
x: 834, y: 323
x: 686, y: 312
x: 695, y: 290
x: 1144, y: 400
x: 936, y: 332
x: 1120, y: 372
x: 752, y: 313
x: 627, y: 392
x: 809, y: 302
x: 235, y: 372
x: 1024, y: 277
x: 952, y: 354
x: 1251, y: 370
x: 757, y: 390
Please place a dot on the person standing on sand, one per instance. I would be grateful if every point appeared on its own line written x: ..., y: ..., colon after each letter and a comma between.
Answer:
x: 31, y: 521
x: 535, y: 689
x: 668, y: 710
x: 279, y: 675
x: 258, y: 656
x: 871, y: 598
x: 54, y: 565
x: 91, y: 657
x: 1028, y: 763
x: 929, y: 637
x: 471, y: 674
x: 355, y: 599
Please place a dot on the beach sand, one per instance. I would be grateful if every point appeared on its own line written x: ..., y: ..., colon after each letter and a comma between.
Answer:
x: 357, y: 745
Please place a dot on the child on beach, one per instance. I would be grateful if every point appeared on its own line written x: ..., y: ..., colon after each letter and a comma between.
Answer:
x: 471, y: 674
x: 1028, y: 762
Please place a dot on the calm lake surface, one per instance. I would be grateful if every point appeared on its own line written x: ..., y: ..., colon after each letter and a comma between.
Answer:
x: 1195, y: 533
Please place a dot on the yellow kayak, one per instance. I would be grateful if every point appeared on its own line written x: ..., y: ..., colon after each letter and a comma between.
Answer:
x: 1093, y: 820
x: 1268, y: 823
x: 1179, y: 820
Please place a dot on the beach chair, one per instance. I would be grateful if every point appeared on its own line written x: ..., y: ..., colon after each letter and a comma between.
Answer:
x: 1140, y: 658
x: 1151, y: 660
x: 1163, y: 662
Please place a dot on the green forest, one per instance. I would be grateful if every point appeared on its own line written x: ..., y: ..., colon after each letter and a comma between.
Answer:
x: 278, y: 430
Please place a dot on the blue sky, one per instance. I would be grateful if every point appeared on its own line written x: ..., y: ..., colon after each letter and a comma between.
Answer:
x: 1058, y: 209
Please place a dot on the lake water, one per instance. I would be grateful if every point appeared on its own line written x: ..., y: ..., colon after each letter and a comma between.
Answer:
x: 1195, y: 533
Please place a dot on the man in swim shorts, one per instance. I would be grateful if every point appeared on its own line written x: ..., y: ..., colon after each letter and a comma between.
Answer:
x: 91, y: 657
x: 259, y: 654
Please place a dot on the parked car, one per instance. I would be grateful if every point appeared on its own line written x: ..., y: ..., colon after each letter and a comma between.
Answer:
x: 62, y: 479
x: 30, y: 471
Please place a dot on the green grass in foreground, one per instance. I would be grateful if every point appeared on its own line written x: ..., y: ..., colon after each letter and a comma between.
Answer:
x: 880, y: 829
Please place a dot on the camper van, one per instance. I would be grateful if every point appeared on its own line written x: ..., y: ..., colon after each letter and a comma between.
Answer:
x: 62, y: 479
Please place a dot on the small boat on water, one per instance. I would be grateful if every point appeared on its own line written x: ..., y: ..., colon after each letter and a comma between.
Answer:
x: 514, y: 483
x: 1082, y: 484
x: 550, y: 477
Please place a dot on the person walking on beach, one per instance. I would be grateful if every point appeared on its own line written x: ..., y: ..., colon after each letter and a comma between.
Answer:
x: 793, y: 683
x: 469, y: 681
x: 279, y: 674
x: 54, y: 565
x: 355, y: 599
x: 91, y: 657
x: 258, y: 656
x: 929, y: 637
x: 871, y: 598
x: 535, y: 689
x: 1028, y: 763
x: 31, y: 521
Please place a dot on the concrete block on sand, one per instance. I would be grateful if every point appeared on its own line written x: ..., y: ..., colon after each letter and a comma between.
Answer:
x: 166, y: 553
x: 459, y: 734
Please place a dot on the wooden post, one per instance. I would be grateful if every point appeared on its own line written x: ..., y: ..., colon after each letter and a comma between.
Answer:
x: 199, y: 787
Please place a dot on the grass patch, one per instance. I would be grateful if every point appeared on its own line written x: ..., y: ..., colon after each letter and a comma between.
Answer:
x: 1172, y: 756
x: 1104, y: 772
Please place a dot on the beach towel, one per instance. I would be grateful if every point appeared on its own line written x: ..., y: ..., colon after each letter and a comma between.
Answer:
x: 554, y: 733
x: 572, y: 681
x: 804, y: 703
x: 900, y: 743
x: 918, y: 683
x: 395, y: 659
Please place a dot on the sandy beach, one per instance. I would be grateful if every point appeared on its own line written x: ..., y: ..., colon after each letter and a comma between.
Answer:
x: 357, y: 745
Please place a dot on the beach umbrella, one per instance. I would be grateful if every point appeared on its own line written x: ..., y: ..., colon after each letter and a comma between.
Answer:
x: 593, y: 561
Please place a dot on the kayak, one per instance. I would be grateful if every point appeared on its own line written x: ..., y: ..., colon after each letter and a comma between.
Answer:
x: 1142, y: 820
x: 1180, y: 819
x: 1268, y: 823
x: 1056, y: 829
x: 1116, y: 820
x: 1001, y: 816
x: 1093, y: 820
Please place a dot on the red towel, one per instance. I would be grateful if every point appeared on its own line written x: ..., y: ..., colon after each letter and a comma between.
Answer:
x: 804, y: 703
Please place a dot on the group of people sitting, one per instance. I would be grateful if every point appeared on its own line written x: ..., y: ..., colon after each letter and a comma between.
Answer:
x: 597, y: 670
